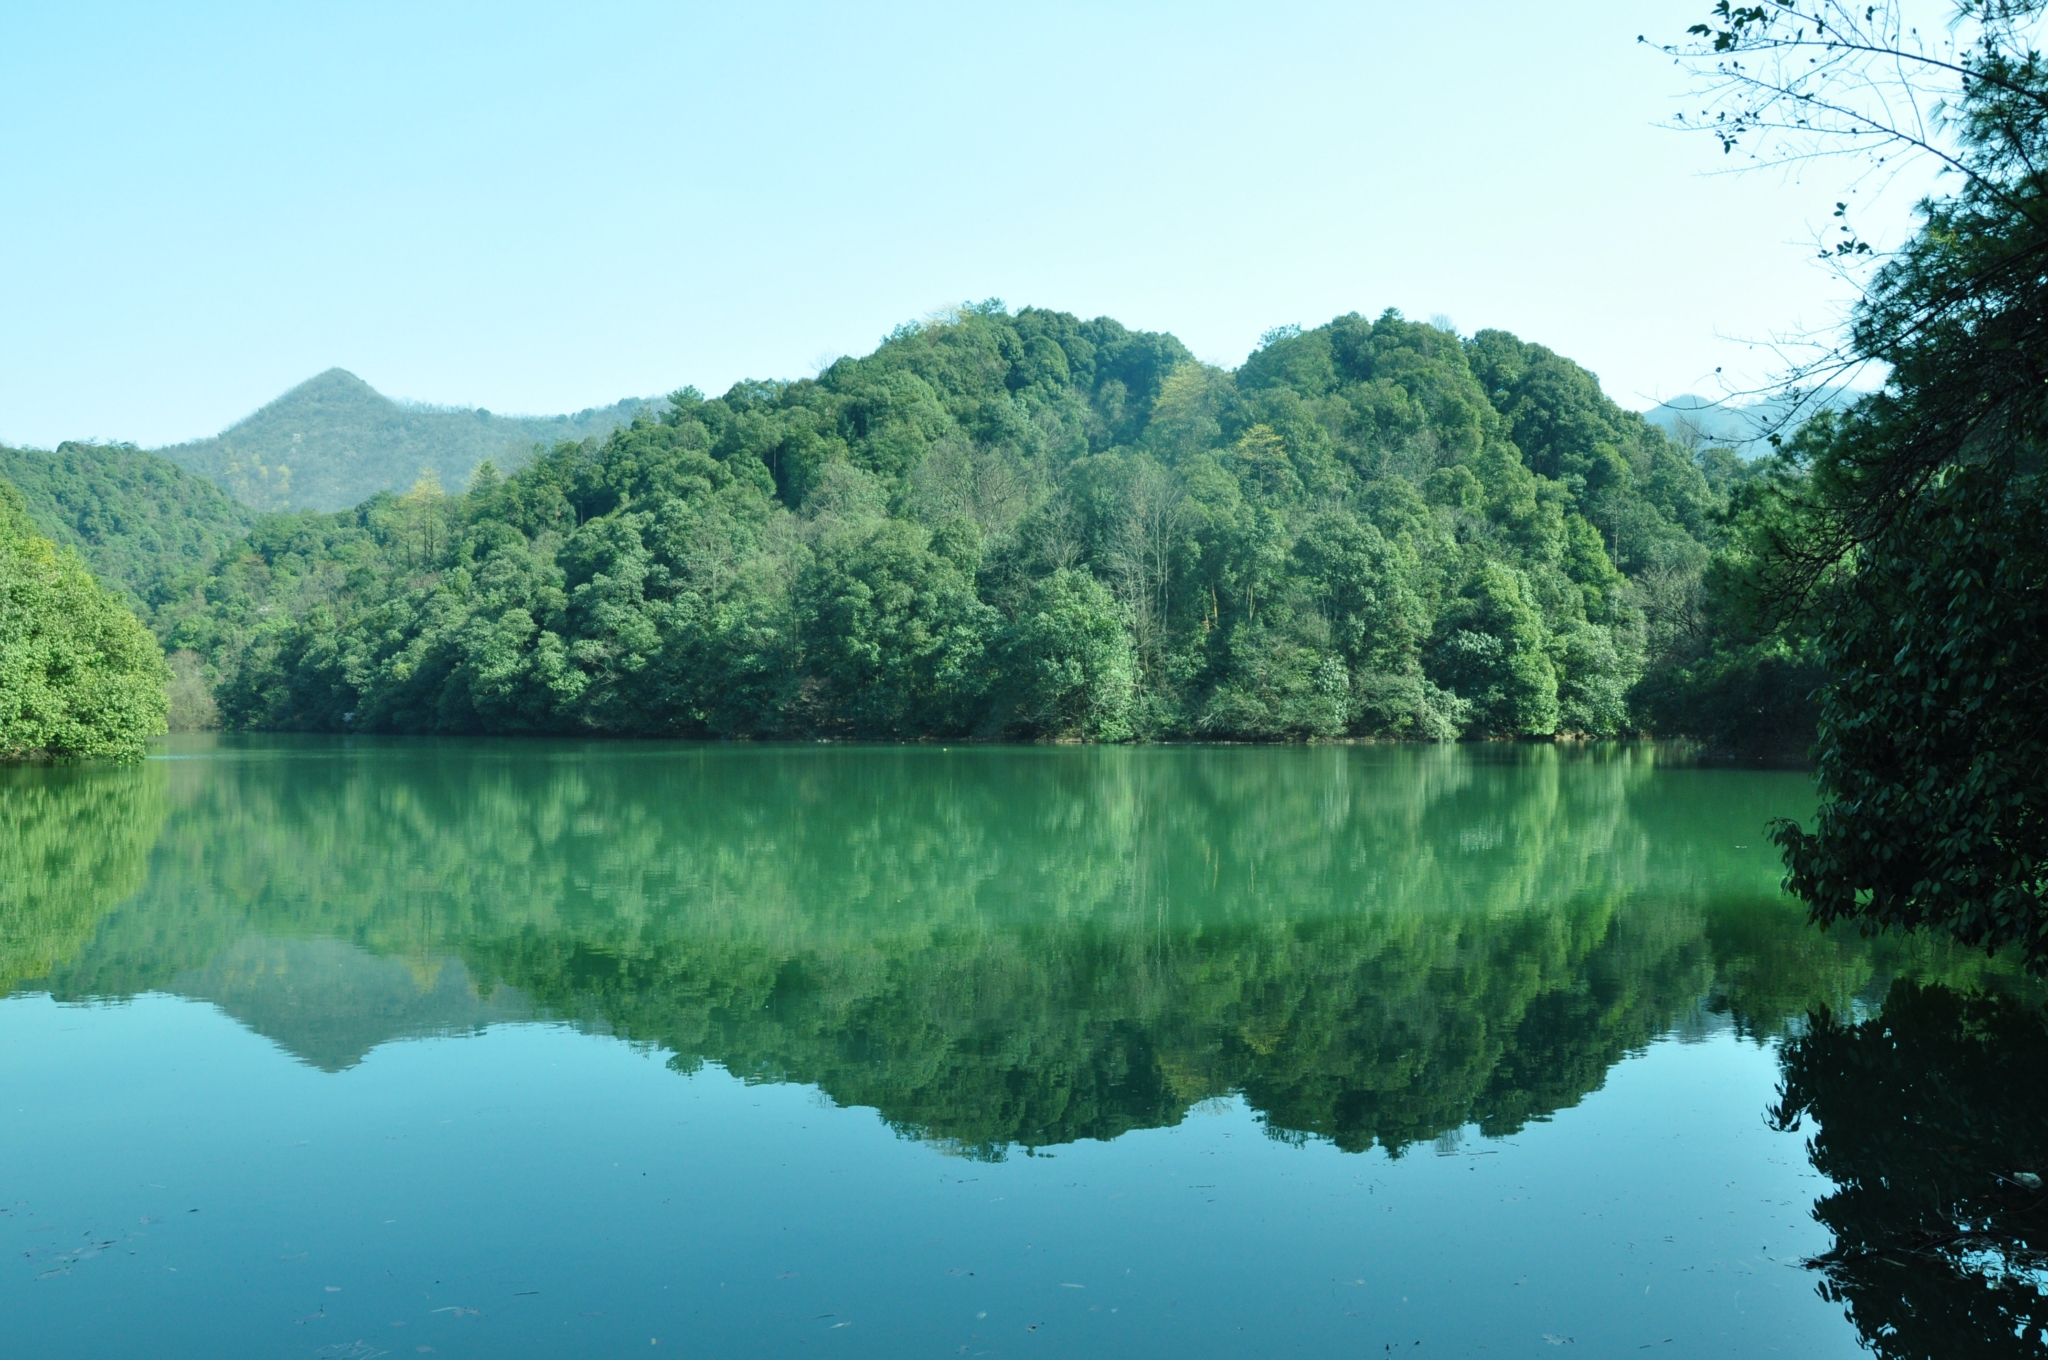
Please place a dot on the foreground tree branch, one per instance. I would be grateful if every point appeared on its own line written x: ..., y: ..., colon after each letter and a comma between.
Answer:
x: 1924, y: 504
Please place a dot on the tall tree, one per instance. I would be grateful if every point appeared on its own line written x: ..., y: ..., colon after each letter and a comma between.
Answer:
x: 1928, y: 496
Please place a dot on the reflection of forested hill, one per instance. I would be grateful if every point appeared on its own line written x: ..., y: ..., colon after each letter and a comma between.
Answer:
x: 330, y: 1003
x: 1373, y: 944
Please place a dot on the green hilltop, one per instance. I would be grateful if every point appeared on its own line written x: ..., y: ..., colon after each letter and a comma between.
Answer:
x: 334, y: 441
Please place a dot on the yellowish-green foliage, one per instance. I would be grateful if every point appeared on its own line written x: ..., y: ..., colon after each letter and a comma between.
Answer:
x: 74, y: 843
x: 79, y: 675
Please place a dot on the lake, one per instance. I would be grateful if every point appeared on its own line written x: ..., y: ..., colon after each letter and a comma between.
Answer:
x: 349, y: 1048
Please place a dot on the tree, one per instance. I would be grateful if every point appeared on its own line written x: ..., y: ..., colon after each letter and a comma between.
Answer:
x: 79, y: 675
x: 1141, y: 552
x: 1493, y: 652
x: 1592, y: 682
x: 894, y: 633
x: 1929, y: 495
x: 1738, y: 662
x: 1067, y: 664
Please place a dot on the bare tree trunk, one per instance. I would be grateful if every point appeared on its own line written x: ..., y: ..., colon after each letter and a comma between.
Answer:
x: 1141, y: 557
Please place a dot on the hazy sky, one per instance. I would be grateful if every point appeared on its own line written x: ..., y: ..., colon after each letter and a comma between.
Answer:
x: 541, y: 209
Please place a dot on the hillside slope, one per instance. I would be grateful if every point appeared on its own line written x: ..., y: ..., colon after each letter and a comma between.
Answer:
x: 334, y: 441
x: 139, y: 521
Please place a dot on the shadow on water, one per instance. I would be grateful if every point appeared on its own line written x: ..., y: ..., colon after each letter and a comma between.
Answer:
x: 1932, y: 1121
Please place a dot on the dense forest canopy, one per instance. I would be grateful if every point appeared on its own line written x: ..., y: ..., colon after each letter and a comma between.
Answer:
x: 1019, y: 525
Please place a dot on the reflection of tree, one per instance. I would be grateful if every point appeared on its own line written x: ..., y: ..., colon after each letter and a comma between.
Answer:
x: 1767, y: 973
x: 994, y: 947
x: 74, y: 841
x: 1354, y: 1029
x: 1933, y: 1121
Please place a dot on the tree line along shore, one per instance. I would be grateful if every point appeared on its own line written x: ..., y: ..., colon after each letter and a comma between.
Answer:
x: 998, y: 525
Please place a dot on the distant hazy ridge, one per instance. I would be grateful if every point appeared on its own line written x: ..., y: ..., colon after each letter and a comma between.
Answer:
x: 1744, y: 425
x: 333, y: 441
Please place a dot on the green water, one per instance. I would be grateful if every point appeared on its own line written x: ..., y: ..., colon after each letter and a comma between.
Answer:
x: 552, y: 1049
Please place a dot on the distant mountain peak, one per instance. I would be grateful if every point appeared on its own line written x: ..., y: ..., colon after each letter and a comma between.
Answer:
x: 339, y: 379
x: 334, y: 385
x: 334, y: 441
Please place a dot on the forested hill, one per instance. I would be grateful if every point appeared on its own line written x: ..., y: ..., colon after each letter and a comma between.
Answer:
x: 1021, y: 525
x: 140, y: 522
x: 334, y: 441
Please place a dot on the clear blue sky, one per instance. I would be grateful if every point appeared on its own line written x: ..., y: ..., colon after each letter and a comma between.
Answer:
x: 540, y: 209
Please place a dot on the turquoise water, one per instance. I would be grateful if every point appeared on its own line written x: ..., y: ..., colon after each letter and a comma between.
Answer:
x: 348, y: 1048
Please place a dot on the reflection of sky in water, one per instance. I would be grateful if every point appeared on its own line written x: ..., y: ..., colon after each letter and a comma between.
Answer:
x: 584, y: 1199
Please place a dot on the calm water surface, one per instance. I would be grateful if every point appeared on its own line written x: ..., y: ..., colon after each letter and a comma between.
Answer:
x: 349, y: 1048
